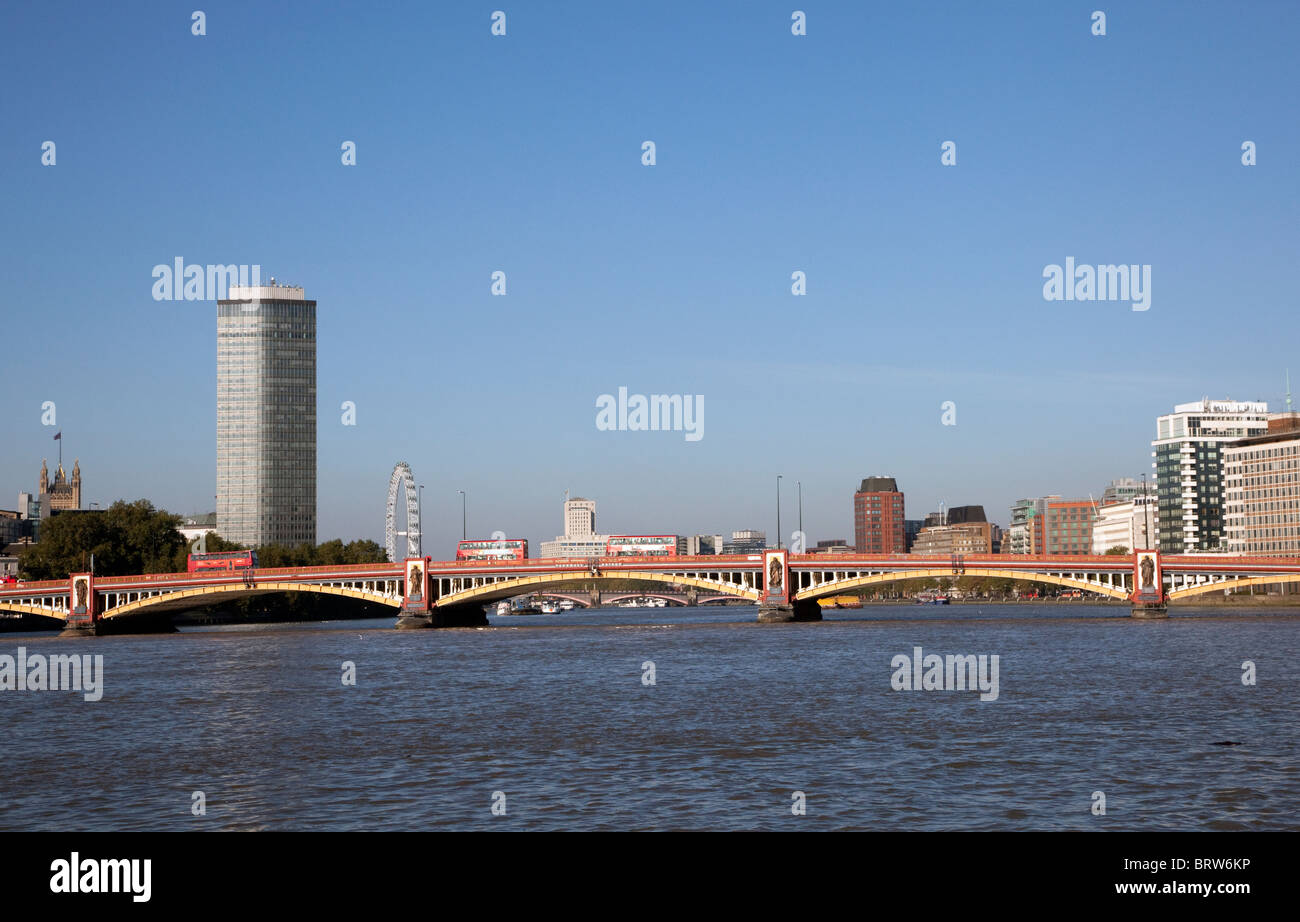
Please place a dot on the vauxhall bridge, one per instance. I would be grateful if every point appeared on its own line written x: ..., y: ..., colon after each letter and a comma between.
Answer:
x: 453, y: 593
x: 424, y: 592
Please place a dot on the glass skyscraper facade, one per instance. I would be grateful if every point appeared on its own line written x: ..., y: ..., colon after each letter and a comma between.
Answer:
x: 266, y: 416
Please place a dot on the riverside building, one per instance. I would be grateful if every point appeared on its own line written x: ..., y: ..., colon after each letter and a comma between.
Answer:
x: 1188, y: 460
x: 1129, y: 524
x: 1261, y: 478
x: 964, y: 530
x: 580, y: 538
x: 266, y: 415
x: 746, y: 541
x: 878, y: 523
x: 1025, y: 533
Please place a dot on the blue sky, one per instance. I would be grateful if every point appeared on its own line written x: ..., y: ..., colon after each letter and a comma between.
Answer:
x: 775, y: 153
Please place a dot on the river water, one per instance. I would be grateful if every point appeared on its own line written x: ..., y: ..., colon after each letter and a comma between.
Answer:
x: 551, y: 718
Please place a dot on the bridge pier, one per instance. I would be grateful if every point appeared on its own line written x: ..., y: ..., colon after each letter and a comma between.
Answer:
x: 79, y: 628
x: 466, y: 614
x: 413, y: 622
x: 160, y: 623
x: 785, y: 612
x: 1149, y: 610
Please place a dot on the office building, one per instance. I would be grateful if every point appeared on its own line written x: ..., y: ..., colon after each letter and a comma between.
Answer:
x: 964, y: 538
x: 696, y: 545
x: 746, y: 541
x: 1188, y: 462
x: 1129, y: 524
x: 961, y: 515
x: 1261, y: 479
x: 1025, y: 533
x: 579, y: 518
x: 878, y: 522
x: 831, y: 546
x: 1121, y: 490
x: 1050, y: 525
x: 580, y: 538
x: 12, y: 527
x: 266, y: 415
x: 1066, y: 527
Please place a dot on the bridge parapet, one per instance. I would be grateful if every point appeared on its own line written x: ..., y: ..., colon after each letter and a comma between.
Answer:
x: 449, y: 592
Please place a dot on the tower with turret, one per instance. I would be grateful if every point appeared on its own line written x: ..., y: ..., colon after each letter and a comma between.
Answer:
x: 62, y: 493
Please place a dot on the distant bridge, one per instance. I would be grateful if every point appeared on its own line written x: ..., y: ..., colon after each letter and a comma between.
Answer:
x: 597, y: 598
x: 425, y: 592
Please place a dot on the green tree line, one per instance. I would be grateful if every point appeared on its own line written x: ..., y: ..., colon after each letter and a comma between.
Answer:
x: 134, y: 537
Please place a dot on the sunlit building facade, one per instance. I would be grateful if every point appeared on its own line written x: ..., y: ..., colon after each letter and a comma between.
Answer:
x: 1262, y: 491
x: 266, y: 415
x: 1188, y: 460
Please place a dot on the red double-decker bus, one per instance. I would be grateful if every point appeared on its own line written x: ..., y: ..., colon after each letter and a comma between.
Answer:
x: 492, y: 549
x: 641, y: 546
x: 223, y: 560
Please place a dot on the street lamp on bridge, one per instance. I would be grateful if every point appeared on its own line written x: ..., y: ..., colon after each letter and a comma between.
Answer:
x: 1146, y: 516
x: 778, y: 512
x: 463, y: 501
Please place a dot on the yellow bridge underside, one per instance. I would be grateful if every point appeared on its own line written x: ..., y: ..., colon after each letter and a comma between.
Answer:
x: 511, y: 587
x: 836, y: 587
x: 1184, y: 592
x: 506, y: 588
x: 224, y: 593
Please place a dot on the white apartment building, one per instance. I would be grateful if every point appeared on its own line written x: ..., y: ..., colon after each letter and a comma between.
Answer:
x: 1188, y: 461
x: 1130, y: 524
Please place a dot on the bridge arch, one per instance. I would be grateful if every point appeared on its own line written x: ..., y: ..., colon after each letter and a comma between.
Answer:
x: 19, y: 609
x: 504, y: 589
x: 576, y: 597
x: 835, y: 587
x: 214, y: 594
x: 1240, y: 582
x: 673, y: 598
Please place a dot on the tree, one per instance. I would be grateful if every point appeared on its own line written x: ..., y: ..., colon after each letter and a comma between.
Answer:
x: 1120, y: 551
x: 125, y: 538
x: 131, y: 538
